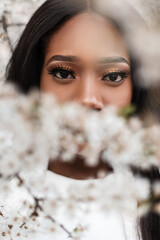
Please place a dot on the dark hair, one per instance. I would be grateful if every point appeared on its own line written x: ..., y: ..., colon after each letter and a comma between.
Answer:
x: 24, y: 68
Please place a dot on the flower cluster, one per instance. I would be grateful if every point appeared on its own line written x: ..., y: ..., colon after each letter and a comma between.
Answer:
x: 35, y: 129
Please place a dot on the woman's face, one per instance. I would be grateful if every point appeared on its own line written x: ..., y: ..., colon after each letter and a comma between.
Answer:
x: 86, y: 61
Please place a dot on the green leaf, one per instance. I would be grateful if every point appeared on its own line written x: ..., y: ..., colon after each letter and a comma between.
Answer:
x: 127, y: 111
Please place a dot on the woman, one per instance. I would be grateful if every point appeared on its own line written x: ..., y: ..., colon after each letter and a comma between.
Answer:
x: 72, y: 50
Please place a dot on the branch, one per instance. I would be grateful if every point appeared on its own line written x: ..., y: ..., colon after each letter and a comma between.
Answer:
x: 61, y: 226
x: 38, y: 206
x: 4, y: 25
x: 16, y: 25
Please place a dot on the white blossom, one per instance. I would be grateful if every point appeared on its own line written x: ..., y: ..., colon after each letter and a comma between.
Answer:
x: 36, y: 129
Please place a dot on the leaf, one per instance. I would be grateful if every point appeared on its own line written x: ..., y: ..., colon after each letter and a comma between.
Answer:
x: 127, y: 111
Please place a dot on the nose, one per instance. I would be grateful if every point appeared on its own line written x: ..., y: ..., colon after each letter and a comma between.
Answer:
x: 92, y: 103
x: 88, y: 94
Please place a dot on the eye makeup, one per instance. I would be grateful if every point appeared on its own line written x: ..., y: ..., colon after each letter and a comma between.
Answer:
x: 62, y: 73
x: 66, y: 73
x: 115, y: 76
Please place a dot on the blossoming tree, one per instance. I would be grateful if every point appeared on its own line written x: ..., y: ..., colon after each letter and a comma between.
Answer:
x: 35, y: 135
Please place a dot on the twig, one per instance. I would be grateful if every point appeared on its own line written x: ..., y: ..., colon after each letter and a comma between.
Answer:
x: 38, y: 206
x: 4, y: 25
x: 61, y: 226
x: 16, y: 25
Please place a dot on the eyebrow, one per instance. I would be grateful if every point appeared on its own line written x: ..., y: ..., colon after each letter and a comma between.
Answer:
x: 71, y: 58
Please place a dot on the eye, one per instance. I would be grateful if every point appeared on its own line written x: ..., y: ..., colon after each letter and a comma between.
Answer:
x: 62, y: 73
x: 115, y: 77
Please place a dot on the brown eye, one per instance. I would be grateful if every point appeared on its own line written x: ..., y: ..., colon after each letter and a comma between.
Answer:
x: 61, y: 73
x: 114, y: 77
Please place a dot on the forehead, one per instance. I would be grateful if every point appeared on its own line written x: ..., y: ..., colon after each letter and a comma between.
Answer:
x: 89, y: 36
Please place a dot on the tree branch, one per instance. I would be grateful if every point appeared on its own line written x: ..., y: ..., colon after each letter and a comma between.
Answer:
x: 4, y: 25
x: 38, y: 206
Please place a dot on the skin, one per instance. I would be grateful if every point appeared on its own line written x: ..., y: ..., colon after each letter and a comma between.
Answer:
x: 98, y: 49
x: 94, y: 71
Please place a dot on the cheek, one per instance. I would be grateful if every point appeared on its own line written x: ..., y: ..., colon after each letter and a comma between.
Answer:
x: 120, y: 96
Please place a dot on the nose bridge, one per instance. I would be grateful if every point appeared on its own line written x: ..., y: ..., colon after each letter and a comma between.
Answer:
x: 89, y: 93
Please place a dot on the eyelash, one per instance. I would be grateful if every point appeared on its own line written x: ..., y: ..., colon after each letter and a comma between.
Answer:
x: 122, y: 74
x: 61, y: 68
